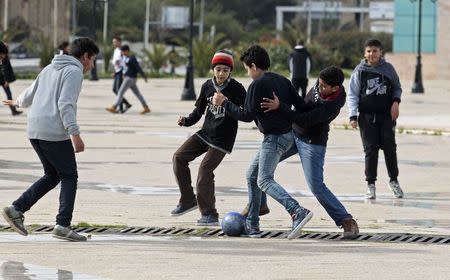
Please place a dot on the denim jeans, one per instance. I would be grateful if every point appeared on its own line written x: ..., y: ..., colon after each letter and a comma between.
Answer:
x: 312, y: 158
x: 261, y: 172
x: 58, y: 160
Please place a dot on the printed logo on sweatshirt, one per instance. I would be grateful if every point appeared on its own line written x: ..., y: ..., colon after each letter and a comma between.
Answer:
x: 217, y: 111
x: 374, y: 86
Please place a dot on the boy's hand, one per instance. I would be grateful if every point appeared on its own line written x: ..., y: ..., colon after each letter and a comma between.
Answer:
x: 270, y: 104
x: 78, y: 144
x: 218, y: 98
x: 9, y: 102
x: 6, y: 84
x: 181, y: 121
x: 394, y: 111
x: 354, y: 124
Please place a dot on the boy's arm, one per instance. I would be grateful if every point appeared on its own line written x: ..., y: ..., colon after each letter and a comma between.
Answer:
x: 139, y: 68
x: 200, y: 106
x: 67, y: 102
x: 353, y: 97
x: 25, y: 99
x: 247, y: 113
x: 396, y: 95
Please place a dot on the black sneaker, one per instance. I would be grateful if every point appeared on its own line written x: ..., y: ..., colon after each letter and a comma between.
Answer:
x: 127, y: 106
x: 208, y: 220
x: 66, y: 233
x: 299, y: 219
x: 15, y: 219
x: 183, y: 209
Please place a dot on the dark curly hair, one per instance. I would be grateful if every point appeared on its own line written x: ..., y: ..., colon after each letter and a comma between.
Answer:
x: 332, y: 75
x: 257, y: 55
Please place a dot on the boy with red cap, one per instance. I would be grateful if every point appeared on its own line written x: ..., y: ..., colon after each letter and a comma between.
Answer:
x: 215, y: 139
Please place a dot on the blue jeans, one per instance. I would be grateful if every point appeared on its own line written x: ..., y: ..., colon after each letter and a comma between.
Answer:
x: 312, y: 158
x: 261, y: 172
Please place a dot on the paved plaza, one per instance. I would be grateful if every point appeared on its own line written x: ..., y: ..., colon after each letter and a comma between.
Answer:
x: 126, y: 179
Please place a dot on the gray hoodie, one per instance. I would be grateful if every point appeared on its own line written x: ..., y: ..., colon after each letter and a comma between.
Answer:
x: 54, y: 96
x: 359, y: 89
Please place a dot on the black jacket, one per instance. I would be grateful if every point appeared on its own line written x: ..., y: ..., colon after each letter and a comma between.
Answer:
x: 6, y: 72
x: 313, y: 125
x: 219, y: 129
x: 298, y: 62
x: 273, y: 122
x: 133, y: 67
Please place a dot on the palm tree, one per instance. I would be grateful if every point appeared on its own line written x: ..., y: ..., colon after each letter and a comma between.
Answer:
x: 156, y: 57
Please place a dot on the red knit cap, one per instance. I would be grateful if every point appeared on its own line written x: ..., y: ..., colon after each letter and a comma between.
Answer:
x: 223, y: 58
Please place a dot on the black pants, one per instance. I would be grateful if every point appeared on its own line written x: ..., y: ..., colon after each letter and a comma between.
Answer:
x: 378, y: 132
x: 118, y: 79
x: 191, y: 149
x: 58, y: 159
x: 9, y: 97
x: 300, y: 84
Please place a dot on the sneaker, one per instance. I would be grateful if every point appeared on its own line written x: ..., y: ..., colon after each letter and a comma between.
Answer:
x: 208, y: 220
x: 395, y: 187
x: 371, y: 191
x: 251, y: 230
x: 16, y: 113
x: 67, y: 233
x: 299, y: 220
x: 127, y: 107
x: 350, y: 227
x: 145, y: 110
x: 15, y: 219
x: 264, y: 210
x: 183, y: 209
x: 112, y: 109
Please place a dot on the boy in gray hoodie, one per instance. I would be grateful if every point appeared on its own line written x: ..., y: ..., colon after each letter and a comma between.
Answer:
x: 54, y: 134
x: 375, y: 93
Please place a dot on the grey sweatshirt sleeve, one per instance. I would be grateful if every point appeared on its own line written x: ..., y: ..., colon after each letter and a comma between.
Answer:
x: 397, y: 88
x: 353, y: 95
x: 25, y: 99
x: 67, y: 102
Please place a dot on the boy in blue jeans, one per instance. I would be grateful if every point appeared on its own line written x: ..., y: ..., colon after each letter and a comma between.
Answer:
x: 323, y: 104
x: 277, y: 130
x: 54, y: 134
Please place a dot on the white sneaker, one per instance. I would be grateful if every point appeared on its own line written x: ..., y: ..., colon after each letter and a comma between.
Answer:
x: 371, y: 194
x: 395, y: 187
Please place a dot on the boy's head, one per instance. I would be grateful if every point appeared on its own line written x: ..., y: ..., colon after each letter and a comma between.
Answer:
x: 256, y: 61
x: 373, y: 51
x: 85, y: 50
x: 125, y: 50
x: 330, y: 80
x: 222, y: 64
x: 3, y: 51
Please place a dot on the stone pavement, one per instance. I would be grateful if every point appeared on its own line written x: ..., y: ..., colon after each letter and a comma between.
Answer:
x: 125, y: 178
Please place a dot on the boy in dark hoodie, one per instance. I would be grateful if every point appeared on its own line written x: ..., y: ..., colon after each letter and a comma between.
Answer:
x: 323, y: 104
x: 54, y: 134
x: 7, y: 75
x: 299, y: 66
x: 215, y: 140
x: 375, y: 93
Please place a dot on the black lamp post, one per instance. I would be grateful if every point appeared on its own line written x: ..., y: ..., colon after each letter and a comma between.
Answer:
x: 418, y: 86
x: 189, y: 91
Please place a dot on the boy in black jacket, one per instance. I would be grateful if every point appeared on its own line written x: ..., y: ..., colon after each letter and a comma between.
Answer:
x: 324, y: 102
x: 278, y: 138
x: 216, y: 138
x: 375, y: 93
x: 130, y: 71
x: 7, y: 75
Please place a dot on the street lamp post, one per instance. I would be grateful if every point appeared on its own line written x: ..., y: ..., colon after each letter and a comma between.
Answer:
x: 189, y: 91
x: 418, y: 86
x: 94, y: 76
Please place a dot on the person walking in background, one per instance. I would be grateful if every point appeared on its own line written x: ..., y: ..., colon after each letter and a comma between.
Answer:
x: 7, y: 76
x: 117, y: 62
x: 375, y: 93
x: 131, y: 69
x: 215, y: 140
x: 55, y: 136
x: 299, y: 67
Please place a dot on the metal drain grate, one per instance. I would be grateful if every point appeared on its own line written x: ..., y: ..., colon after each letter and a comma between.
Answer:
x: 276, y: 234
